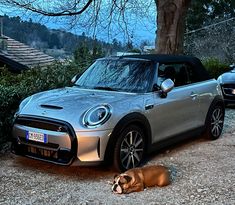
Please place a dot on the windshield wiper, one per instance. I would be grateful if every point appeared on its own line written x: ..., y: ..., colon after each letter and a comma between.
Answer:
x: 104, y: 88
x: 79, y: 86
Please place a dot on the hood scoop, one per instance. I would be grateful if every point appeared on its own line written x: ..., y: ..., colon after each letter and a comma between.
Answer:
x: 54, y: 107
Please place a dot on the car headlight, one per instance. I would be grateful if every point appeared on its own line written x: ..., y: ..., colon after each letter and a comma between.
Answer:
x: 21, y: 106
x: 219, y: 79
x: 24, y: 103
x: 97, y: 116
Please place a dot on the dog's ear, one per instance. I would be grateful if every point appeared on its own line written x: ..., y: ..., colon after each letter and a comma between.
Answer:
x: 115, y: 176
x: 127, y: 178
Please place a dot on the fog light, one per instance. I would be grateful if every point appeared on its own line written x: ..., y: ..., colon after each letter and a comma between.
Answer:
x: 233, y: 91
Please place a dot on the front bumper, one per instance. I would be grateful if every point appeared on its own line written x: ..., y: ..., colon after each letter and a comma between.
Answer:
x: 64, y: 146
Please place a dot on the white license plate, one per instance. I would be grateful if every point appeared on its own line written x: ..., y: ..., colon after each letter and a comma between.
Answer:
x: 37, y: 137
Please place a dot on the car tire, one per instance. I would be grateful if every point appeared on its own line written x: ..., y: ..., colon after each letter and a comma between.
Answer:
x: 214, y: 122
x: 129, y: 149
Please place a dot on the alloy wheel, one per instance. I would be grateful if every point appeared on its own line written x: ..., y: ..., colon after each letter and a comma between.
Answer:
x: 217, y: 121
x: 131, y: 149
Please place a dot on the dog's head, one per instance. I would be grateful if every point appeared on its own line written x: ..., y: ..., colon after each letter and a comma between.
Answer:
x: 121, y: 183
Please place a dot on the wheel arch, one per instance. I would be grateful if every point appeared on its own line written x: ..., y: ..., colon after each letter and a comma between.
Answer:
x: 135, y: 118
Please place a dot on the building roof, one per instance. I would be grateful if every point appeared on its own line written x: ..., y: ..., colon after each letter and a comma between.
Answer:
x: 19, y: 56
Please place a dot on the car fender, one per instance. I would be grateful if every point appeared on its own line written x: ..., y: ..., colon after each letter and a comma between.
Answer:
x: 132, y: 118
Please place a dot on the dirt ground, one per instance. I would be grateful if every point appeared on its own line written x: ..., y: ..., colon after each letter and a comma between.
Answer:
x: 203, y: 173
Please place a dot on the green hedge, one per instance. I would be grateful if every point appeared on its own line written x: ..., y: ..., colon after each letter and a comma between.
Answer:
x: 14, y: 88
x: 215, y: 67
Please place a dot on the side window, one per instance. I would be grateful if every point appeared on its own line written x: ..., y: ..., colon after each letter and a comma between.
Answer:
x: 166, y: 71
x: 180, y: 73
x: 185, y: 75
x: 192, y: 75
x: 182, y: 77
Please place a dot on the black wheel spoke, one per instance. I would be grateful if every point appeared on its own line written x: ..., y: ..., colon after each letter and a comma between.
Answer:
x: 133, y: 160
x: 124, y: 158
x: 131, y: 138
x: 135, y: 137
x: 218, y: 114
x: 138, y: 142
x: 128, y: 162
x: 139, y: 150
x: 137, y: 156
x: 127, y: 143
x: 124, y: 150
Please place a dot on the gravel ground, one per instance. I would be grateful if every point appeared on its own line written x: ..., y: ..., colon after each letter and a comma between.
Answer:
x: 203, y: 173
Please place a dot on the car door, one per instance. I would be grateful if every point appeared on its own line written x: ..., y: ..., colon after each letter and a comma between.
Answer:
x: 178, y: 112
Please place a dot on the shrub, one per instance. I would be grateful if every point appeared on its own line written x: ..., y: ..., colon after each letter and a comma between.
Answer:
x: 215, y: 67
x: 14, y: 88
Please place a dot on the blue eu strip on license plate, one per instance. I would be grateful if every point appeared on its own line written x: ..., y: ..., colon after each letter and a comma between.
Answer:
x: 37, y: 137
x: 45, y: 138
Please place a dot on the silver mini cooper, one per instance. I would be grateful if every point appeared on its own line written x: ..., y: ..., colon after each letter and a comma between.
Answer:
x: 119, y: 110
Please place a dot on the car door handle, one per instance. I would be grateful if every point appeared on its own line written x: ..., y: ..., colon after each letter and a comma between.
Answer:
x: 193, y: 95
x: 148, y: 107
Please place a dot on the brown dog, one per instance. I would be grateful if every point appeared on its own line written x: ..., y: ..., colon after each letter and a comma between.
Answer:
x: 135, y: 180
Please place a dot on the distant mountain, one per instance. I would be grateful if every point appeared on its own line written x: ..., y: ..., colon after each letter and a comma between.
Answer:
x: 58, y: 43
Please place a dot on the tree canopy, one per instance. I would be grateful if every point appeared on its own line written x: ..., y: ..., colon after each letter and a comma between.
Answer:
x: 171, y: 15
x: 204, y: 12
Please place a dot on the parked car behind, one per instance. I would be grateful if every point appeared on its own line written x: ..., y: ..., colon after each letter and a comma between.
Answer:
x: 119, y: 110
x: 227, y: 82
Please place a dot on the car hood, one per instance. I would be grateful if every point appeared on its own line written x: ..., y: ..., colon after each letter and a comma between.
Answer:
x: 228, y: 77
x: 69, y: 104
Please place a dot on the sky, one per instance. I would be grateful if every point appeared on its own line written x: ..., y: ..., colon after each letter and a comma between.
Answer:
x: 141, y: 25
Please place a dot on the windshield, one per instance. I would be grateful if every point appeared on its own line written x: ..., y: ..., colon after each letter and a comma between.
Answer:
x: 119, y: 75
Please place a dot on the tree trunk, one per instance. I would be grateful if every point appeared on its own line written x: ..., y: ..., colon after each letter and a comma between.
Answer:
x: 171, y: 25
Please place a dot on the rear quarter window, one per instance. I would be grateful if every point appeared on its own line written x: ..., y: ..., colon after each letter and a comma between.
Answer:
x: 181, y: 73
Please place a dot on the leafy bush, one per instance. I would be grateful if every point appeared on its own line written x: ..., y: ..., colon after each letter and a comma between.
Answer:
x: 215, y: 67
x: 14, y: 88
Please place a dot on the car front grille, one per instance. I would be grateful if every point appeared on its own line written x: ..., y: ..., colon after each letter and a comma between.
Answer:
x: 45, y: 151
x: 42, y: 124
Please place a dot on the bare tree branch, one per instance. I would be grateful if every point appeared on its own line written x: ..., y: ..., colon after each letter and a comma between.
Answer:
x: 66, y: 12
x: 110, y: 18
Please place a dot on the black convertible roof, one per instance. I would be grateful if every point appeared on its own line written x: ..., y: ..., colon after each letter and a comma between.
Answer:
x: 166, y: 58
x: 161, y: 58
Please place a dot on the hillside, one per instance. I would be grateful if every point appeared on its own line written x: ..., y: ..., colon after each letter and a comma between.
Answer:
x: 58, y: 43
